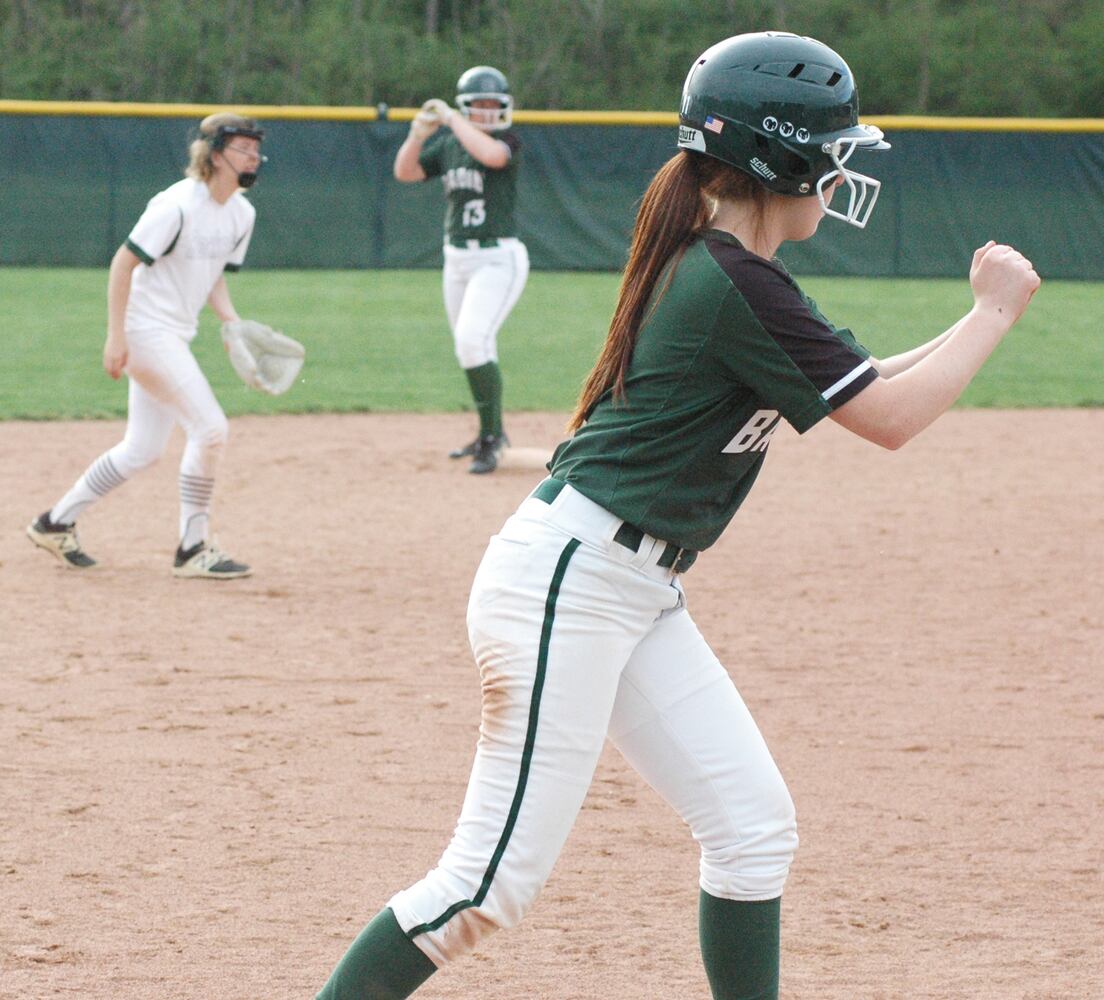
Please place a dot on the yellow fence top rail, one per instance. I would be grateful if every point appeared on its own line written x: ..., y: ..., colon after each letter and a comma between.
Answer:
x: 292, y: 112
x: 113, y: 109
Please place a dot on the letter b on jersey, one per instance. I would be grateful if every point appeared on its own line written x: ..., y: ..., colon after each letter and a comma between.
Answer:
x: 755, y: 435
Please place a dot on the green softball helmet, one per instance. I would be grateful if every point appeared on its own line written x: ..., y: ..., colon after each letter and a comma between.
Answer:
x: 485, y: 83
x: 784, y: 109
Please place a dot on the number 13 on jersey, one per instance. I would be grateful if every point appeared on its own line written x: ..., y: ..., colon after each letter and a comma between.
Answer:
x: 475, y: 213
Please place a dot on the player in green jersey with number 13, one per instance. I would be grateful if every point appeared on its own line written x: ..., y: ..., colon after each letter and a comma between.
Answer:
x: 486, y: 265
x: 578, y: 615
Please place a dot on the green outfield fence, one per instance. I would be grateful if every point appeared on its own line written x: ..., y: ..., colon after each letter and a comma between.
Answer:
x: 74, y: 177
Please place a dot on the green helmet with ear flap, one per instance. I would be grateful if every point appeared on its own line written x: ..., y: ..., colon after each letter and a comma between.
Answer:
x: 485, y: 83
x: 784, y: 109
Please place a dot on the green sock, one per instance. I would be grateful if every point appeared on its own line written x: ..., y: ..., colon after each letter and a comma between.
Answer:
x: 381, y: 964
x: 739, y: 945
x: 486, y: 389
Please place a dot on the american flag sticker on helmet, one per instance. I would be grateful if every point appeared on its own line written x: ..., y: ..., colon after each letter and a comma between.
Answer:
x: 713, y: 124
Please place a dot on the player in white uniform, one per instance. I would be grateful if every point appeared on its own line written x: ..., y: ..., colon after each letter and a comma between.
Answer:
x: 171, y: 264
x: 486, y: 265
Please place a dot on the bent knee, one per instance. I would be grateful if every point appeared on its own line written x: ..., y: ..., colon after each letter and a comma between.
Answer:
x: 447, y: 932
x: 131, y: 459
x: 464, y: 931
x: 213, y: 435
x: 755, y: 861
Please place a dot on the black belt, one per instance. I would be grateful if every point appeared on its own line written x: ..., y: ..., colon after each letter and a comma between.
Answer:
x: 463, y: 244
x: 629, y: 535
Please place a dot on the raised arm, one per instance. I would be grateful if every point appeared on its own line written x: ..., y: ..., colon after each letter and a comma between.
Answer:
x: 407, y: 168
x: 925, y: 382
x: 892, y: 366
x: 488, y: 150
x: 897, y: 363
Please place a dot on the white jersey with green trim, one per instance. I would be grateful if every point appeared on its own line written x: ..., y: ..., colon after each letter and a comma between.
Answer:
x: 185, y: 240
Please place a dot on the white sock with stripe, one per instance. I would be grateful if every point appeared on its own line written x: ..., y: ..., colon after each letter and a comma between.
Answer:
x: 195, y: 508
x: 99, y: 479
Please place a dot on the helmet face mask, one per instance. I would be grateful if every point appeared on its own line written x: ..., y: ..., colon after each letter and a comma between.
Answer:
x: 784, y: 109
x: 224, y: 133
x: 859, y: 186
x: 485, y: 83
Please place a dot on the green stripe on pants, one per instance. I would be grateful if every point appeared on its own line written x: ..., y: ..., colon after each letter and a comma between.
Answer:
x: 526, y: 754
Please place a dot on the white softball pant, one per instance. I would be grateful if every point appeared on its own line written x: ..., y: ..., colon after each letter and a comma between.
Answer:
x: 577, y: 637
x: 166, y: 387
x: 481, y: 286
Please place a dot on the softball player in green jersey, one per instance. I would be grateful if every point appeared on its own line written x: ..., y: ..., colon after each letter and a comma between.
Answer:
x: 172, y: 263
x: 578, y: 616
x: 486, y: 265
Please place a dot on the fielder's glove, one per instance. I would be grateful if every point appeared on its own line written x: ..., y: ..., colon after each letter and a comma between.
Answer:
x: 263, y: 358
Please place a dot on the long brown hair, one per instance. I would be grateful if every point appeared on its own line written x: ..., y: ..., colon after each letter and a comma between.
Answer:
x: 677, y: 205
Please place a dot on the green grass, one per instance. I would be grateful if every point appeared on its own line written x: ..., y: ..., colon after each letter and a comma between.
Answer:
x: 378, y: 340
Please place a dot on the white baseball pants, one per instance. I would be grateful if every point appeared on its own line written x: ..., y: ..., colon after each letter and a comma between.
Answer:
x: 577, y: 637
x: 481, y: 286
x: 167, y: 387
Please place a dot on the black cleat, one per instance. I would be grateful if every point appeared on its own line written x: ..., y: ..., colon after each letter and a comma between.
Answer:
x: 487, y: 450
x: 204, y: 561
x: 61, y: 541
x: 463, y: 452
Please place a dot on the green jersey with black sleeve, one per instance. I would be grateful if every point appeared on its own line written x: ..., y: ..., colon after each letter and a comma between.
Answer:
x: 481, y: 200
x: 731, y: 347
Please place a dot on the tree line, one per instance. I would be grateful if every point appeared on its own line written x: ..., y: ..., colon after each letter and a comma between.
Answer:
x: 1035, y: 58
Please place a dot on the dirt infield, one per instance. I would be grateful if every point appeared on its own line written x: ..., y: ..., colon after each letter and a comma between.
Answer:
x: 206, y: 789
